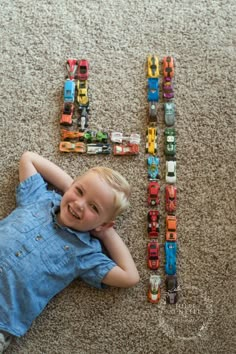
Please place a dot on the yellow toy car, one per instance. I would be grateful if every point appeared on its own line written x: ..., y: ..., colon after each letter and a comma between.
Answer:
x: 82, y: 93
x: 151, y: 140
x: 153, y: 66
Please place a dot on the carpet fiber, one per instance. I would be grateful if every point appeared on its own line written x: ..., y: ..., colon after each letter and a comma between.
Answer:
x: 116, y: 37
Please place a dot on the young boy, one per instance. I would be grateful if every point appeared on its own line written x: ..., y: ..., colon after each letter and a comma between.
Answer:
x: 47, y: 241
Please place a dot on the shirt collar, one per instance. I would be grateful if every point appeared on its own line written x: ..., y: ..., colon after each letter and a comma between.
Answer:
x: 83, y: 236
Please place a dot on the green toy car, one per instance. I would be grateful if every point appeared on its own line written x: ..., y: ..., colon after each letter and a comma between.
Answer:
x: 95, y: 136
x: 170, y: 142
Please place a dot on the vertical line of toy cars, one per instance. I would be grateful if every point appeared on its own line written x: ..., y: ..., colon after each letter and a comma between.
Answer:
x: 153, y: 177
x: 77, y: 70
x: 170, y: 179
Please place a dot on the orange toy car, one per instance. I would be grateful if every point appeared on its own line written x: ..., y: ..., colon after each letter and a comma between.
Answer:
x: 168, y: 67
x: 171, y: 226
x: 170, y: 196
x: 68, y: 110
x: 71, y: 134
x: 66, y: 146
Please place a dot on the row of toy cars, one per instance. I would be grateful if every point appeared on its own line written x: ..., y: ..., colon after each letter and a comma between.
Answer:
x: 170, y: 188
x: 76, y: 94
x: 153, y: 89
x: 170, y: 178
x: 153, y: 216
x: 99, y: 142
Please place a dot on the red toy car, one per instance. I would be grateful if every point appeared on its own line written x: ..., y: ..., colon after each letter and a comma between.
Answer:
x: 125, y: 149
x: 171, y: 196
x: 82, y: 70
x: 68, y: 110
x: 168, y: 67
x: 153, y: 223
x: 153, y: 192
x: 153, y: 255
x: 71, y: 66
x: 171, y: 226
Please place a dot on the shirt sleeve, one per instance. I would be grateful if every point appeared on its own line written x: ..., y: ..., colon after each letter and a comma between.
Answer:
x: 31, y: 189
x: 94, y: 267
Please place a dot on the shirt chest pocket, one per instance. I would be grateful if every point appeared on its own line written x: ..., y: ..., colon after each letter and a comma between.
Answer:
x: 58, y: 257
x: 28, y: 220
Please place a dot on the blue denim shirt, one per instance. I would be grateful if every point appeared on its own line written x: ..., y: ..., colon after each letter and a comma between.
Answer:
x: 39, y: 258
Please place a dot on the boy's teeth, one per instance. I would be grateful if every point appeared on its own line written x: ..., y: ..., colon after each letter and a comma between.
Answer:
x: 71, y: 211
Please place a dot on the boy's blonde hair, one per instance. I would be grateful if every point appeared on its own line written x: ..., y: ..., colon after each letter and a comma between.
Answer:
x: 119, y: 185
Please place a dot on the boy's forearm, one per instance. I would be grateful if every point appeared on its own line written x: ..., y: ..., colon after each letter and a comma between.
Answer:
x: 31, y: 163
x: 118, y: 251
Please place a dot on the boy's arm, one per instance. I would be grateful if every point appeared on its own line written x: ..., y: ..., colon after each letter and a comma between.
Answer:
x: 32, y: 163
x: 125, y: 274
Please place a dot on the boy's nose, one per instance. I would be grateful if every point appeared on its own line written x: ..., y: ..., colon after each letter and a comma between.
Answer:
x: 80, y: 205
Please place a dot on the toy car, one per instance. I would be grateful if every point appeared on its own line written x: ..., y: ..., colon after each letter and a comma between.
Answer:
x: 82, y: 70
x: 153, y: 86
x: 117, y: 137
x: 71, y: 134
x: 153, y: 66
x: 168, y: 90
x: 171, y: 172
x: 69, y: 91
x: 98, y: 148
x: 153, y: 255
x: 170, y: 253
x: 153, y: 163
x: 83, y: 119
x: 153, y: 223
x: 66, y: 146
x: 169, y: 109
x: 71, y: 66
x: 170, y: 142
x: 168, y: 66
x: 171, y: 289
x: 82, y: 96
x: 128, y: 149
x: 170, y: 196
x: 171, y: 225
x: 151, y: 140
x: 154, y: 292
x: 96, y: 136
x: 67, y: 114
x: 153, y: 193
x: 152, y: 118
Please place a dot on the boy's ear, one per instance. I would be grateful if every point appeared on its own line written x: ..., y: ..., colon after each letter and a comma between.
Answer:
x: 105, y: 226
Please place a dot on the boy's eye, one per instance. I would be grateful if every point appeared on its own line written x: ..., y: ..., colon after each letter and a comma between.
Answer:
x: 94, y: 208
x: 79, y: 191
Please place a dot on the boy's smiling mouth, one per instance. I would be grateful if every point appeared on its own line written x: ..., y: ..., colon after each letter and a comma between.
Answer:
x: 71, y: 211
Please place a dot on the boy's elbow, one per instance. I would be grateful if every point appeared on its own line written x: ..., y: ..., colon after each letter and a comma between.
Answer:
x: 133, y: 280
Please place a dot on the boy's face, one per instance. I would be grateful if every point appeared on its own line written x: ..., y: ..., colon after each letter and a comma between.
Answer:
x: 88, y: 204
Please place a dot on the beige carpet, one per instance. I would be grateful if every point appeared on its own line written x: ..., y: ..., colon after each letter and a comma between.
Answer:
x: 116, y: 36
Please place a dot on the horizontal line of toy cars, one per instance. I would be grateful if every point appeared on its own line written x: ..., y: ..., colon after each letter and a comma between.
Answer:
x: 99, y: 148
x: 100, y: 136
x: 153, y: 228
x: 153, y: 66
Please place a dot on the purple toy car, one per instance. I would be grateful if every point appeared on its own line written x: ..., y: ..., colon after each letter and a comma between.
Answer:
x: 168, y: 91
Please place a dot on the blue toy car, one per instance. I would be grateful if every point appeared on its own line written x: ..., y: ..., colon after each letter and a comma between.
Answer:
x: 170, y: 253
x: 153, y: 85
x: 69, y: 91
x: 153, y: 163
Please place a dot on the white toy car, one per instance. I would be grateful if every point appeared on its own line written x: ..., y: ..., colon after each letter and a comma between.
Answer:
x: 171, y: 172
x: 117, y: 137
x: 98, y: 148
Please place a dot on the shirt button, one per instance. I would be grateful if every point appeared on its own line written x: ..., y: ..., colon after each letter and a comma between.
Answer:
x: 38, y: 237
x: 66, y: 247
x: 18, y: 254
